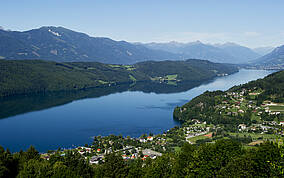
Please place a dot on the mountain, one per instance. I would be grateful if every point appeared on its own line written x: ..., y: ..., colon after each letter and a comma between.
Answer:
x: 62, y: 45
x: 225, y: 53
x: 241, y: 53
x: 273, y: 59
x: 37, y: 76
x: 263, y: 50
x: 196, y: 50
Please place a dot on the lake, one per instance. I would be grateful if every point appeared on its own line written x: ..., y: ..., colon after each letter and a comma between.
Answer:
x: 70, y: 119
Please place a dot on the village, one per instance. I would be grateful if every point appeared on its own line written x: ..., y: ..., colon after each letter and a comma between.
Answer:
x: 129, y: 148
x: 266, y: 117
x: 266, y: 124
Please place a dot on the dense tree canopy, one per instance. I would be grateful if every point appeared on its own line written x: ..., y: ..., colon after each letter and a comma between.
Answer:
x: 225, y: 158
x: 36, y: 76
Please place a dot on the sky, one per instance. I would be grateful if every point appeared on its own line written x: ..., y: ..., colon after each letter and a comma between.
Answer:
x: 252, y: 23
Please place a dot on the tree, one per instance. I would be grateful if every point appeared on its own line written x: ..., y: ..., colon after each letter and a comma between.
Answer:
x: 32, y: 153
x: 36, y: 168
x: 161, y: 167
x: 114, y: 166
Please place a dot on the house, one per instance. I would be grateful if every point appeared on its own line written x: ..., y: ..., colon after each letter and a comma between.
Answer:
x: 196, y: 121
x: 242, y: 127
x: 150, y: 138
x: 133, y: 156
x: 259, y: 113
x: 234, y: 113
x: 209, y: 135
x: 46, y: 157
x: 142, y: 140
x: 95, y: 159
x: 153, y: 156
x: 151, y: 152
x: 264, y: 128
x: 241, y: 111
x: 81, y: 152
x: 125, y: 156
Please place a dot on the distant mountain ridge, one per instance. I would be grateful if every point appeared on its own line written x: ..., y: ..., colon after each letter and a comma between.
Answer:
x: 62, y: 45
x: 263, y: 50
x: 274, y: 59
x: 225, y: 53
x: 240, y: 53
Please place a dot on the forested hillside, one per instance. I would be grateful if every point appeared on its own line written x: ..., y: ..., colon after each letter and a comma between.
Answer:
x: 251, y: 103
x: 272, y: 87
x: 30, y: 76
x: 33, y: 76
x: 225, y: 158
x: 192, y: 69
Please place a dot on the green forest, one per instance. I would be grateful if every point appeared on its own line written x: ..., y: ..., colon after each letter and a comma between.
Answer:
x: 37, y: 76
x: 225, y: 158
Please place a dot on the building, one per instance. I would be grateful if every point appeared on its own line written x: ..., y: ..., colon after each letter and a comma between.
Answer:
x: 95, y: 159
x: 242, y: 127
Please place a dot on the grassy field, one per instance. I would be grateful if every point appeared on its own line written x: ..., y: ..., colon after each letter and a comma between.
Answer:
x: 194, y: 139
x: 276, y: 108
x: 129, y: 67
x: 103, y: 82
x: 132, y: 78
x: 169, y: 139
x: 112, y: 65
x: 256, y: 118
x: 171, y: 77
x: 172, y: 83
x: 247, y: 147
x: 256, y: 136
x: 177, y: 149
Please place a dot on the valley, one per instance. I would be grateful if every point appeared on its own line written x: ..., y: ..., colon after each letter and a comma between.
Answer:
x: 141, y: 89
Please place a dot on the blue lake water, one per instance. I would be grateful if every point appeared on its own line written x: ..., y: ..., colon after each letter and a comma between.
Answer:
x: 49, y: 122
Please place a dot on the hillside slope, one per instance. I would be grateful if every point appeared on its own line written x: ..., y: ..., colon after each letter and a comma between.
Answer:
x: 241, y: 53
x: 31, y: 76
x: 246, y: 103
x: 64, y: 45
x: 273, y: 59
